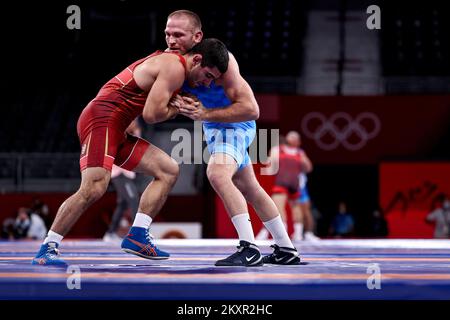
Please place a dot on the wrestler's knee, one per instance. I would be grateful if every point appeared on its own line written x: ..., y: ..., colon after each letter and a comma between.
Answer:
x: 217, y: 175
x: 92, y: 189
x: 93, y: 192
x: 168, y: 172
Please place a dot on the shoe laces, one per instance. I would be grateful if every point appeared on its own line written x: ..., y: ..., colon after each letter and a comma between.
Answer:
x: 52, y: 251
x: 149, y: 237
x: 240, y: 249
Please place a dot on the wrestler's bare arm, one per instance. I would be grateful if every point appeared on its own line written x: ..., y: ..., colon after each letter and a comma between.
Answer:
x: 243, y: 103
x: 170, y: 78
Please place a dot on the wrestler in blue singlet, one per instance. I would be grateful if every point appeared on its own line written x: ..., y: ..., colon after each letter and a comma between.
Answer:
x: 230, y: 138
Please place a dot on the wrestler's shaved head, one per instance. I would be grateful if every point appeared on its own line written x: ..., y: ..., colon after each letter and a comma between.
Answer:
x: 192, y: 16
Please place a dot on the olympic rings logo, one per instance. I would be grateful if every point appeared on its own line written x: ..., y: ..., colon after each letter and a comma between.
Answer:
x: 342, y: 129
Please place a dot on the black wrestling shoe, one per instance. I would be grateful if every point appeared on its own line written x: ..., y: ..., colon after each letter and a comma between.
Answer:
x: 248, y: 255
x: 282, y: 255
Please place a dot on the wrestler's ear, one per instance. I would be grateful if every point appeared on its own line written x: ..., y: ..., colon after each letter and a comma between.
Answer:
x: 197, y: 59
x: 198, y: 36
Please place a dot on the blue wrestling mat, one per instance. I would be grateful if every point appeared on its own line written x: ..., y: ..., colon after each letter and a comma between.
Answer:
x: 331, y: 269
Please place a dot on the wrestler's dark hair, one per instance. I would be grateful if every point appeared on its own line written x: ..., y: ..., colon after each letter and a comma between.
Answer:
x: 214, y: 54
x: 195, y: 19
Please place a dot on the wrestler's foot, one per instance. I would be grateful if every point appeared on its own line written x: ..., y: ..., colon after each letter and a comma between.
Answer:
x: 48, y: 255
x: 139, y: 242
x: 248, y: 255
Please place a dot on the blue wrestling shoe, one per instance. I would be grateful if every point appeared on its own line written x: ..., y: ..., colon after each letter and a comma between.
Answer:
x: 139, y: 242
x: 48, y: 255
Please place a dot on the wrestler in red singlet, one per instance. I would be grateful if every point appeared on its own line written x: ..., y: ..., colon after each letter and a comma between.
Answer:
x: 102, y: 124
x: 290, y: 166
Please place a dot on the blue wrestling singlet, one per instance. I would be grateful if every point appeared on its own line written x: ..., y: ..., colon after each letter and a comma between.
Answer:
x: 230, y: 138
